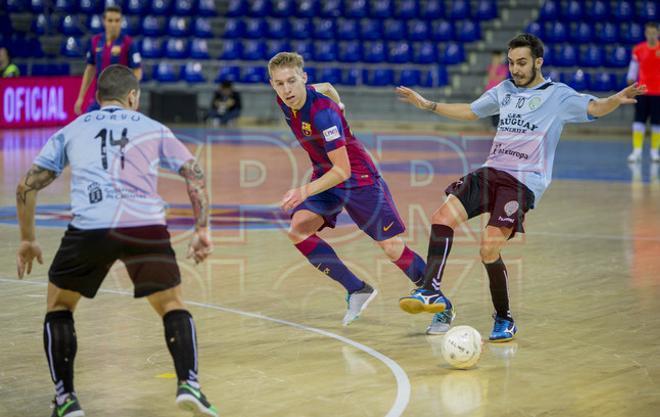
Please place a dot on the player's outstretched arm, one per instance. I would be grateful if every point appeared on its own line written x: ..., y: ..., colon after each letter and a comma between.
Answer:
x: 200, y: 244
x: 37, y: 178
x: 458, y: 111
x: 604, y: 106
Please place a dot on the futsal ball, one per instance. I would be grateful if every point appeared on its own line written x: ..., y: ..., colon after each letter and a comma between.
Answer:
x: 461, y: 347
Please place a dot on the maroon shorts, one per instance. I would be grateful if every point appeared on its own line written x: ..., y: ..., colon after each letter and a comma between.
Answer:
x: 488, y: 190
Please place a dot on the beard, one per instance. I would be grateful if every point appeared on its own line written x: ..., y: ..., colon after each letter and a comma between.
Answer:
x: 532, y: 77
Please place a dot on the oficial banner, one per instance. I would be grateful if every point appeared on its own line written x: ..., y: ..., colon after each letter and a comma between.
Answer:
x: 38, y: 101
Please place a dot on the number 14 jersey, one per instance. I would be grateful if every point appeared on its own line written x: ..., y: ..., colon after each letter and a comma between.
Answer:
x: 114, y: 155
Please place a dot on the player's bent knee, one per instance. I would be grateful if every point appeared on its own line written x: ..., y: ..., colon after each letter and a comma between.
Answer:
x: 392, y: 247
x: 489, y: 253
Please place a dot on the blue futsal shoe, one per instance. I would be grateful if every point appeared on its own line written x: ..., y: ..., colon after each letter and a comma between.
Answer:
x: 424, y: 300
x: 503, y: 330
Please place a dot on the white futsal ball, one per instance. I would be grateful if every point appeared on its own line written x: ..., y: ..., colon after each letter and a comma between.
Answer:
x: 461, y: 347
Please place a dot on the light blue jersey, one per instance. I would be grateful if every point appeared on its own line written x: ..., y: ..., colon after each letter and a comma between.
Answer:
x: 531, y: 121
x: 114, y: 155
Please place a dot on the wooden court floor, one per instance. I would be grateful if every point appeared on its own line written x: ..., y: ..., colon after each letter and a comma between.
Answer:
x: 584, y: 284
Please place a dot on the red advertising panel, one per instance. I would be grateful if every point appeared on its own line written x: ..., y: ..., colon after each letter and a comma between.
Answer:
x: 38, y: 101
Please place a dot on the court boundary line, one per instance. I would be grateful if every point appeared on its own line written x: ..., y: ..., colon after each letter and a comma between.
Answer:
x: 402, y: 382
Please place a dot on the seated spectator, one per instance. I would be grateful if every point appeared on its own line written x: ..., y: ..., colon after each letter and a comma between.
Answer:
x: 7, y: 68
x: 226, y: 105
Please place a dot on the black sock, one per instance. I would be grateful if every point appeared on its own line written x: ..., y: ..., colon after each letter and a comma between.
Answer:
x: 60, y: 345
x: 439, y: 248
x: 181, y: 339
x: 499, y: 288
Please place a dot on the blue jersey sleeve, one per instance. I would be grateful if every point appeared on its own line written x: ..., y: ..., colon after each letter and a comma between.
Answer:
x: 134, y: 57
x: 487, y: 104
x: 328, y: 122
x: 53, y: 154
x: 173, y: 154
x: 573, y: 106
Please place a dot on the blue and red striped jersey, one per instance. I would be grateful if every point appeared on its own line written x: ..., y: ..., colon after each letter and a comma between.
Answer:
x: 122, y: 51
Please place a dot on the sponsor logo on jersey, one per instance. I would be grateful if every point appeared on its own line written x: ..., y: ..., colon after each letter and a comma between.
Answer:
x: 534, y: 102
x: 331, y: 133
x: 511, y: 207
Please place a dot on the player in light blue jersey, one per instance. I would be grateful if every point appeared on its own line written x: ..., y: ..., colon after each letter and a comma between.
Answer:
x: 114, y: 154
x: 533, y: 111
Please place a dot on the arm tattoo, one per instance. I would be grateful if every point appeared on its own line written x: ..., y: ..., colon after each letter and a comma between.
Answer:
x: 196, y: 186
x: 36, y: 179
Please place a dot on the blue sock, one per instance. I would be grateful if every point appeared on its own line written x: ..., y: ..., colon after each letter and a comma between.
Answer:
x: 321, y: 255
x: 412, y: 265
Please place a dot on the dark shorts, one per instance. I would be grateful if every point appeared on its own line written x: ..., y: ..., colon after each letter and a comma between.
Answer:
x: 647, y: 107
x: 371, y: 207
x: 85, y: 257
x: 489, y: 190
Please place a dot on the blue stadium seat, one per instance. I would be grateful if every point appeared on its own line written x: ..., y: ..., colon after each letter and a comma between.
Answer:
x: 591, y: 56
x: 192, y: 73
x: 548, y: 56
x: 161, y: 7
x: 132, y: 25
x: 177, y: 48
x: 184, y: 7
x: 33, y: 48
x: 49, y: 69
x: 459, y: 9
x: 418, y: 30
x: 254, y: 75
x: 151, y: 48
x: 41, y: 24
x: 486, y: 10
x: 371, y: 29
x: 603, y: 81
x: 202, y: 28
x: 282, y: 8
x: 443, y: 76
x: 394, y: 29
x: 607, y: 32
x: 199, y: 49
x: 234, y: 28
x: 351, y: 76
x: 424, y: 53
x: 564, y: 56
x: 623, y: 10
x: 304, y: 48
x: 409, y: 77
x: 631, y: 33
x: 452, y: 53
x: 374, y: 52
x: 300, y: 28
x: 381, y: 9
x: 648, y: 11
x: 228, y: 73
x: 206, y: 8
x: 178, y: 27
x: 350, y: 51
x: 406, y: 9
x: 90, y: 7
x: 16, y: 6
x: 329, y: 75
x: 164, y: 72
x: 399, y: 52
x: 347, y: 29
x: 556, y: 32
x: 617, y: 57
x: 136, y: 7
x: 536, y: 29
x: 572, y: 11
x: 311, y: 74
x: 66, y: 6
x: 442, y: 31
x: 152, y: 26
x: 552, y: 74
x: 621, y: 81
x: 330, y: 8
x: 325, y: 51
x: 37, y: 6
x: 582, y: 32
x: 324, y: 28
x: 379, y: 77
x: 255, y: 28
x: 578, y: 80
x: 254, y: 50
x: 237, y: 8
x: 258, y: 8
x: 432, y: 10
x: 278, y: 28
x: 71, y: 47
x: 598, y: 10
x: 549, y: 11
x: 275, y: 46
x: 306, y: 8
x: 71, y: 26
x: 468, y: 31
x: 108, y: 3
x: 355, y: 9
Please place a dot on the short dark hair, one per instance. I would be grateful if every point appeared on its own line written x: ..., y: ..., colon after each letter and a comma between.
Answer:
x: 527, y: 40
x: 115, y: 82
x: 112, y: 9
x: 653, y: 25
x: 226, y: 84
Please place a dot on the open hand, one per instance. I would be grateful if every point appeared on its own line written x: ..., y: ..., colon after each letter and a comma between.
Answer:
x: 27, y: 252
